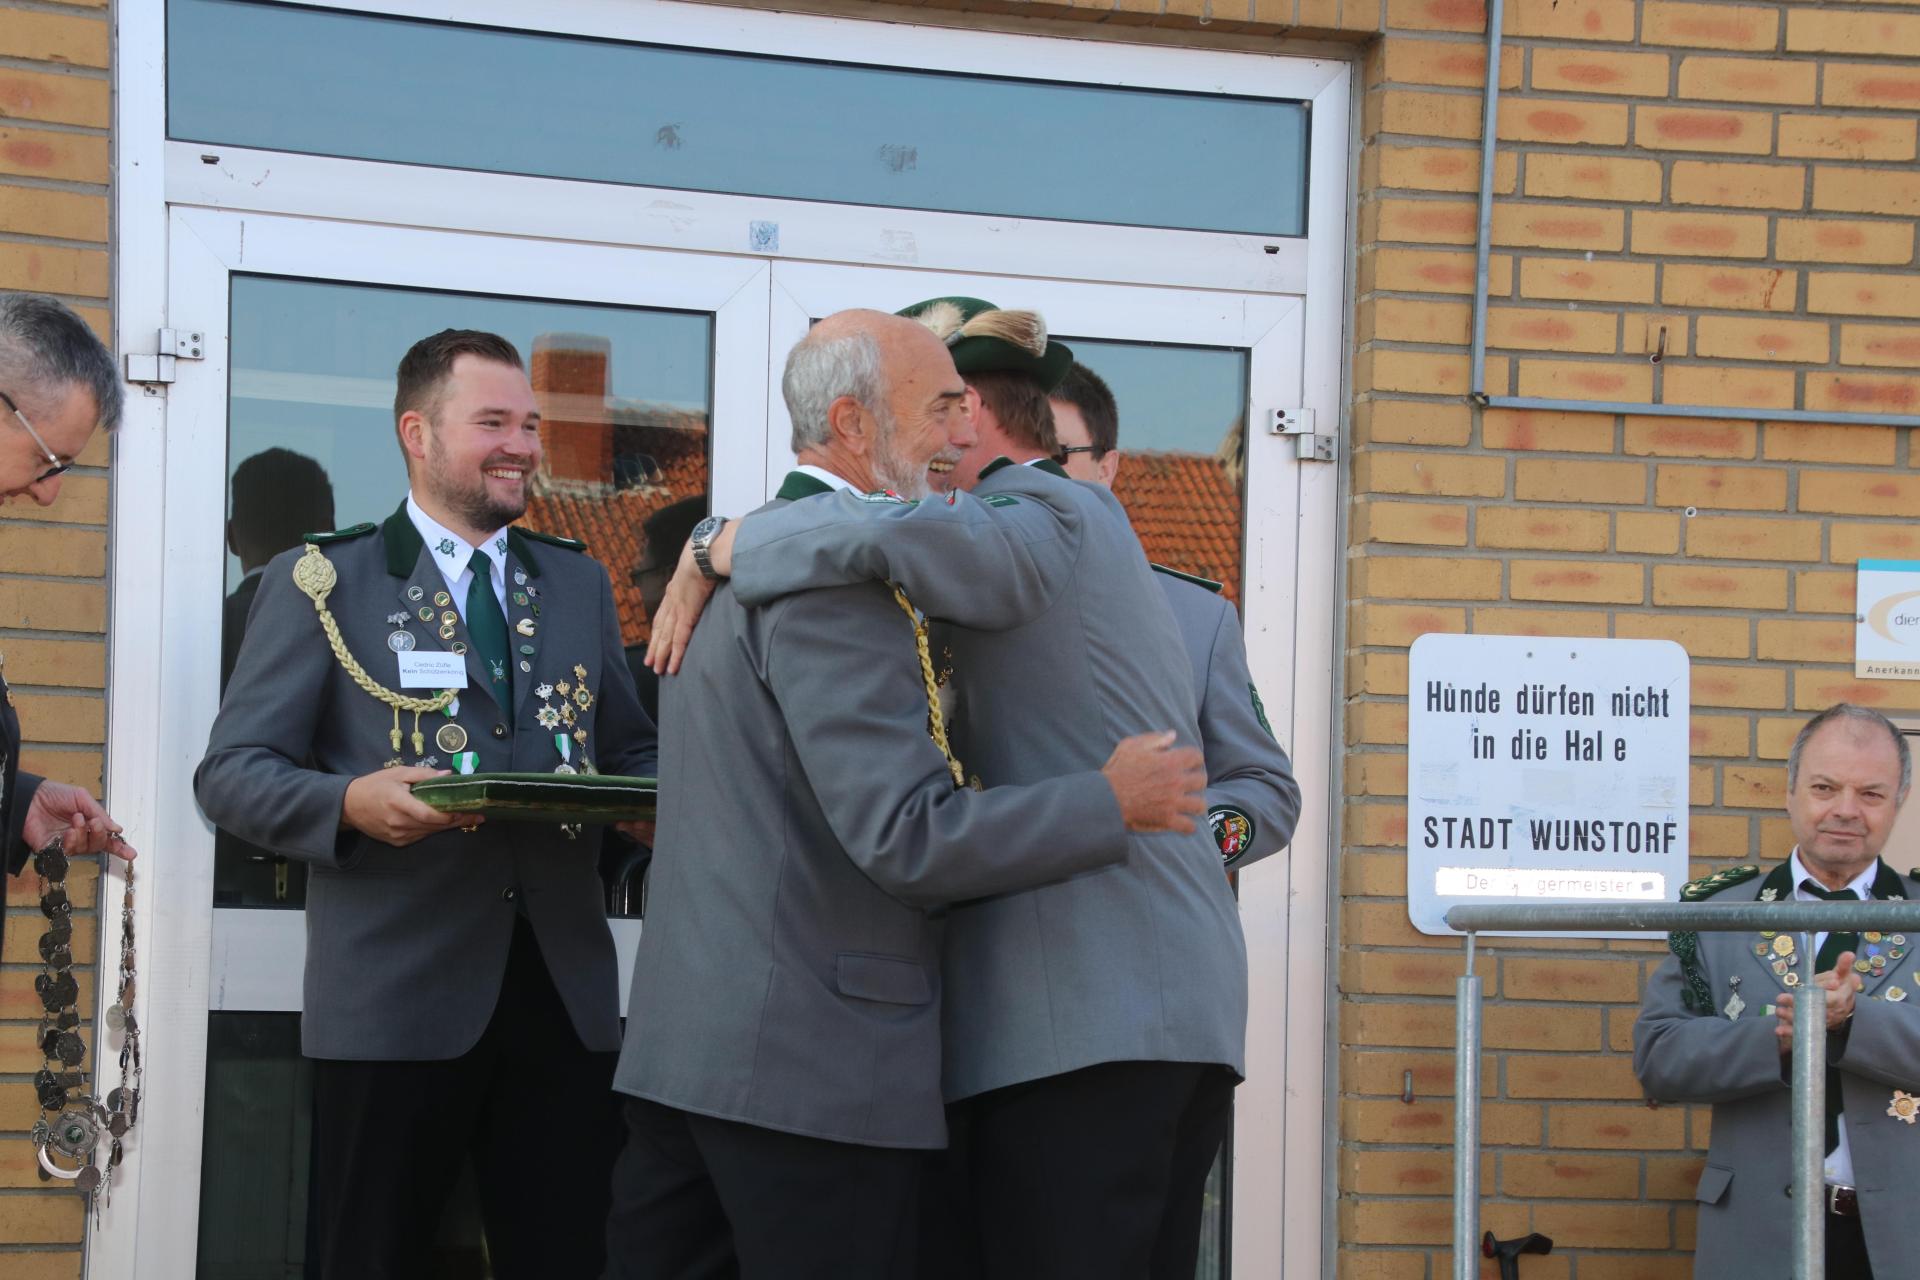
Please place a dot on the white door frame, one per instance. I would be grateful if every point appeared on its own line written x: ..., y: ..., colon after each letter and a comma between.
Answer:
x: 150, y: 1229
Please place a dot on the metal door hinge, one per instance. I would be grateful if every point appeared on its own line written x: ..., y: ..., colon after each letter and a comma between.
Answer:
x: 1298, y: 423
x: 172, y: 346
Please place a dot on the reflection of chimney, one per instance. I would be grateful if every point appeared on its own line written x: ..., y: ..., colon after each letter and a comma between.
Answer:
x: 572, y: 375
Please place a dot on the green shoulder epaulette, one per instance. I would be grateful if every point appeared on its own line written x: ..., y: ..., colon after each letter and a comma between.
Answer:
x: 1708, y: 885
x: 553, y: 539
x: 341, y: 535
x: 1196, y: 580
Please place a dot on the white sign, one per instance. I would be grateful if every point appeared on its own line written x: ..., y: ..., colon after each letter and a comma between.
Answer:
x: 1886, y: 638
x: 1544, y: 770
x: 432, y: 669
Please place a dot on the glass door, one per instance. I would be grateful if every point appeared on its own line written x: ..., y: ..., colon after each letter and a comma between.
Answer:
x: 1211, y: 491
x: 650, y: 369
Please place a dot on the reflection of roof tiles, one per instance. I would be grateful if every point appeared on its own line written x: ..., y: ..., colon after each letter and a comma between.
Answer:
x: 1186, y: 509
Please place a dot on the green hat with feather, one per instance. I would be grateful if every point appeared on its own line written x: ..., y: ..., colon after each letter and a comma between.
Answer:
x: 983, y: 338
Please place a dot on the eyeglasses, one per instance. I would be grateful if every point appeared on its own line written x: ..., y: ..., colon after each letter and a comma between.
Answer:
x: 1068, y: 450
x: 58, y: 467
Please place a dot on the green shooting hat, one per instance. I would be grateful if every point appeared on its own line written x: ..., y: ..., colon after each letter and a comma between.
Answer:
x: 982, y: 338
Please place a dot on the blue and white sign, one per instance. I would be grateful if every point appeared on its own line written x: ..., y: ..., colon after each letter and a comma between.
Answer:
x: 1544, y: 770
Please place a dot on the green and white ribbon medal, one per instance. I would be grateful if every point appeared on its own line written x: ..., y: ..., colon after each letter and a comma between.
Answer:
x: 563, y: 743
x: 466, y: 762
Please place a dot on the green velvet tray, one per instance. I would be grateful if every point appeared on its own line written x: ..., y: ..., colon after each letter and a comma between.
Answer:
x: 542, y: 797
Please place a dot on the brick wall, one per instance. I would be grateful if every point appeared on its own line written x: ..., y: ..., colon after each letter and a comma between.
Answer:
x: 55, y: 99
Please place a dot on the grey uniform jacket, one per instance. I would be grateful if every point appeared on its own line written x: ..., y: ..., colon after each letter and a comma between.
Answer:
x: 788, y: 976
x: 1062, y: 644
x: 406, y: 947
x: 1684, y: 1054
x: 1252, y: 799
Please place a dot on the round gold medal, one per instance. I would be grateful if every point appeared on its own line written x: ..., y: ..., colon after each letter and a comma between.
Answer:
x: 451, y: 738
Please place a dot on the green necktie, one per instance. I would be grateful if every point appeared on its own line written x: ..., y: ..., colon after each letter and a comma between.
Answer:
x: 1830, y: 951
x: 488, y: 628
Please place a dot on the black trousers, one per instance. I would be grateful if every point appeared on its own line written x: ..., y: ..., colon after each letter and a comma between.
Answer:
x: 696, y: 1198
x: 1847, y: 1249
x: 1096, y: 1173
x: 531, y: 1106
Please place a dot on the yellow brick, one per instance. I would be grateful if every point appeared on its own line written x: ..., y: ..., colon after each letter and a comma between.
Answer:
x: 1830, y: 240
x: 50, y: 269
x: 1424, y: 114
x: 1587, y: 379
x: 65, y: 717
x: 1743, y: 186
x: 52, y: 551
x: 1829, y: 442
x: 1435, y: 15
x: 1441, y: 271
x: 1836, y: 31
x: 1703, y: 129
x: 1381, y: 673
x: 81, y: 768
x: 1718, y: 736
x: 1753, y: 538
x: 1738, y: 686
x: 1860, y: 493
x: 1426, y: 578
x: 1596, y: 71
x: 1602, y: 981
x: 1699, y: 235
x: 1863, y: 393
x: 1402, y: 624
x: 1372, y: 1171
x: 1795, y: 641
x: 1846, y: 138
x: 1747, y: 387
x: 60, y: 215
x: 1431, y: 167
x: 1458, y: 66
x: 1549, y: 432
x: 1780, y: 80
x: 1377, y: 774
x: 1608, y: 1226
x: 1576, y: 280
x: 1380, y: 421
x: 1754, y: 787
x: 1596, y: 581
x: 1739, y: 488
x: 1870, y: 85
x: 48, y: 1218
x: 1420, y: 221
x: 1854, y: 190
x: 1646, y: 533
x: 1410, y: 523
x: 1558, y: 227
x: 56, y: 99
x: 1690, y: 437
x: 1865, y: 293
x: 1417, y: 372
x: 1852, y: 542
x: 1538, y: 622
x: 54, y: 606
x: 1405, y: 973
x: 1622, y: 1127
x: 1380, y: 824
x: 1571, y: 19
x: 1790, y: 341
x: 1416, y: 320
x: 1889, y: 346
x: 1735, y: 288
x: 63, y: 663
x: 47, y: 37
x: 1420, y: 473
x: 1818, y: 690
x: 49, y: 1264
x: 1711, y: 26
x: 67, y: 157
x: 1825, y: 591
x: 1543, y: 480
x: 1526, y: 1174
x: 1701, y: 635
x: 1541, y: 529
x: 1669, y: 1179
x: 1581, y: 177
x: 1539, y: 329
x: 1704, y: 586
x: 1562, y: 122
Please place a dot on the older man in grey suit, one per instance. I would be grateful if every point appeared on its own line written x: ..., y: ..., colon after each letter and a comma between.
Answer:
x: 1716, y: 1025
x: 461, y: 990
x: 783, y: 1042
x: 1095, y: 1028
x: 1252, y: 799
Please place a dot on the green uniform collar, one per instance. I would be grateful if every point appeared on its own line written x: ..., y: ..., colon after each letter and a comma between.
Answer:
x: 1047, y: 465
x: 1887, y: 884
x: 404, y: 545
x: 799, y: 484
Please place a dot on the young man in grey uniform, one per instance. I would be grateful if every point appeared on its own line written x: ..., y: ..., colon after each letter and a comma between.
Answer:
x: 1716, y: 1025
x: 1252, y: 799
x: 1094, y: 1029
x: 461, y: 992
x: 783, y: 1039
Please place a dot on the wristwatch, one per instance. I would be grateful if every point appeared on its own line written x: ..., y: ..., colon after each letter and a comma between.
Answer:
x: 701, y: 540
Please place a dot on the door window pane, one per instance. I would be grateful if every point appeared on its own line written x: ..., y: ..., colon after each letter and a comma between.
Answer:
x: 625, y: 396
x: 336, y: 83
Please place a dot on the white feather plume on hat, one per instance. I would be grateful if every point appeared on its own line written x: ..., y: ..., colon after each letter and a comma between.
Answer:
x: 1026, y: 330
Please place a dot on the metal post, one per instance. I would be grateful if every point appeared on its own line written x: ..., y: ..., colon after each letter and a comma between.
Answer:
x: 1809, y: 1121
x: 1466, y: 1123
x: 1483, y: 251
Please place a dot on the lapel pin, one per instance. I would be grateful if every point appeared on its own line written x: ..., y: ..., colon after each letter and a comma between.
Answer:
x: 1904, y: 1107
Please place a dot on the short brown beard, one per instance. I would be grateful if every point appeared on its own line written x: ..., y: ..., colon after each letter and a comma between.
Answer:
x: 472, y: 503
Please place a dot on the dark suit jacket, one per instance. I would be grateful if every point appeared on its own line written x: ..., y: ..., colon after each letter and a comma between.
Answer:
x: 16, y: 793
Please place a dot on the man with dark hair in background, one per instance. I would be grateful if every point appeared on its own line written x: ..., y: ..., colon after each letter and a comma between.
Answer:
x: 279, y: 497
x: 460, y: 996
x: 1252, y: 799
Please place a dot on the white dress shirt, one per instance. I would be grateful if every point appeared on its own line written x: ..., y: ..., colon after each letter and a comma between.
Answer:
x: 451, y: 554
x: 1840, y: 1161
x: 823, y: 475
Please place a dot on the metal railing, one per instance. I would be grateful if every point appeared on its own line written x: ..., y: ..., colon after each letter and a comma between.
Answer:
x: 1809, y: 1080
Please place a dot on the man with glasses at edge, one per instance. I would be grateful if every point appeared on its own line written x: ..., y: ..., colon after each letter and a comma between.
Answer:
x: 58, y: 384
